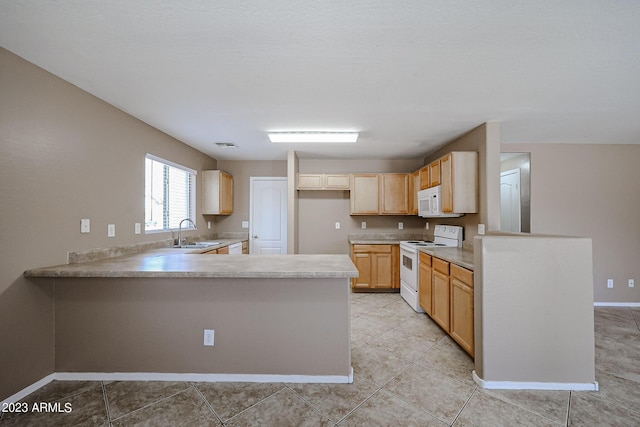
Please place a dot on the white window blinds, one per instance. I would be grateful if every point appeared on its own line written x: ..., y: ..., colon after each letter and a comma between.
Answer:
x: 169, y: 194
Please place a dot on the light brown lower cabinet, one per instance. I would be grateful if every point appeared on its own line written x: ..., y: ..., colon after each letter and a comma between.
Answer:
x: 377, y: 265
x: 446, y: 295
x: 441, y: 293
x: 462, y: 308
x: 218, y: 251
x: 426, y: 283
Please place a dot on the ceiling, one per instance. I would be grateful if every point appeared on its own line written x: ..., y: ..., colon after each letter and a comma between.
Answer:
x: 409, y: 75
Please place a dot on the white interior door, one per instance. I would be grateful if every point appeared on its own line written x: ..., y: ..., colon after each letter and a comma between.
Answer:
x: 268, y: 216
x: 510, y: 200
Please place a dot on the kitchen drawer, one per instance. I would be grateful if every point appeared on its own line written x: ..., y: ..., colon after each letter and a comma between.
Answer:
x: 462, y: 274
x: 425, y: 259
x: 441, y: 266
x: 380, y: 249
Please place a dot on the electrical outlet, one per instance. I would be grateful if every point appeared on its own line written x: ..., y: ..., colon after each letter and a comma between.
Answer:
x: 85, y: 225
x: 480, y: 229
x: 209, y: 336
x: 400, y: 225
x: 632, y: 283
x: 137, y: 228
x: 245, y: 224
x: 337, y: 225
x: 111, y: 230
x: 363, y: 225
x: 426, y: 225
x: 609, y: 283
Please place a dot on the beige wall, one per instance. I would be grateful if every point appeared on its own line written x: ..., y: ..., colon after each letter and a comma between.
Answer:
x: 64, y: 155
x: 262, y: 326
x: 591, y: 191
x: 484, y: 139
x: 320, y: 210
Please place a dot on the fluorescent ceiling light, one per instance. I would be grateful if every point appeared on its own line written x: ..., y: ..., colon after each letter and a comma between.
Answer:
x: 313, y: 137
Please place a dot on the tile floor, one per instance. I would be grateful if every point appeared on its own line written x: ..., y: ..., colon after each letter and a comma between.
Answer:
x: 417, y: 378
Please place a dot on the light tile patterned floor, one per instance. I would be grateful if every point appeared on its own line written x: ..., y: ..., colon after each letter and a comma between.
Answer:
x: 407, y: 373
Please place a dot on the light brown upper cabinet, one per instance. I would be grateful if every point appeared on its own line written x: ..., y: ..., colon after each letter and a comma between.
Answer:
x: 379, y: 194
x: 323, y: 181
x: 217, y: 193
x: 310, y: 181
x: 424, y: 177
x: 434, y: 173
x: 414, y: 187
x: 459, y: 176
x: 364, y: 194
x: 394, y: 193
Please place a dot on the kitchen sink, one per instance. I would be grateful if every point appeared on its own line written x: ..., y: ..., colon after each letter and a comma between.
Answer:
x: 197, y: 245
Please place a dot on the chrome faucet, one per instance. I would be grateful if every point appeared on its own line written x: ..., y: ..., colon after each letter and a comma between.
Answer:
x: 180, y: 230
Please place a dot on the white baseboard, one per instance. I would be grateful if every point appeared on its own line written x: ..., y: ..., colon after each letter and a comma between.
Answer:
x: 523, y: 385
x: 616, y: 304
x: 153, y: 376
x: 30, y: 389
x: 194, y: 377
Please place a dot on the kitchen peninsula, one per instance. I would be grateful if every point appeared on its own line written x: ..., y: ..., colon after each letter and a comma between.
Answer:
x: 142, y: 316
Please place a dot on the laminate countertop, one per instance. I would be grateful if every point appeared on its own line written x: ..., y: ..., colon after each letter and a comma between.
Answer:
x: 458, y: 256
x: 189, y: 263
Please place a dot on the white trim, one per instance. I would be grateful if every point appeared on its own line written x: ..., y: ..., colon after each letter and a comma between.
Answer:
x: 525, y: 385
x: 29, y: 389
x: 170, y: 163
x: 616, y: 304
x: 195, y: 377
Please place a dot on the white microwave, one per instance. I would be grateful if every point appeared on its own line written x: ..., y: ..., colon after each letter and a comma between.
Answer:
x: 430, y: 203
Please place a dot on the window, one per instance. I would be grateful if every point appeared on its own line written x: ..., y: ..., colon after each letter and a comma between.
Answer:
x: 169, y: 194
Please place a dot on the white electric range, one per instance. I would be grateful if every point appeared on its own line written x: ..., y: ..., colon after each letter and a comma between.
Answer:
x: 443, y: 236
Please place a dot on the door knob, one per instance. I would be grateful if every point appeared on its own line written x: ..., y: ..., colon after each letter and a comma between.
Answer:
x: 255, y: 237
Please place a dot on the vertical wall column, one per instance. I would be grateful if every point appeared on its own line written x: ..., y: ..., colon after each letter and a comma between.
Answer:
x: 533, y: 300
x: 292, y: 203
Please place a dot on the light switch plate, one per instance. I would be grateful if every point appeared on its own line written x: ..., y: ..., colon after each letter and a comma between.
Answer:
x: 337, y: 225
x: 111, y: 230
x: 481, y: 229
x: 85, y: 225
x: 245, y: 224
x: 137, y: 228
x: 209, y: 337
